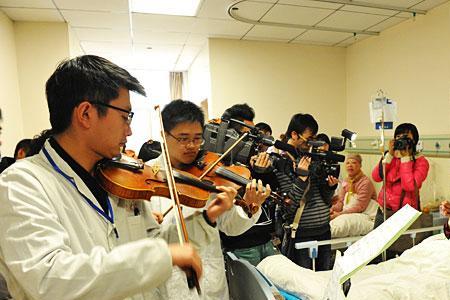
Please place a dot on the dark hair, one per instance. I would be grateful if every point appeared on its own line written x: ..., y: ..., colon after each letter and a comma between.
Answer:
x: 300, y: 122
x: 404, y: 128
x: 180, y: 111
x: 323, y: 137
x: 24, y: 144
x: 38, y: 141
x: 84, y: 78
x: 240, y: 112
x: 264, y: 127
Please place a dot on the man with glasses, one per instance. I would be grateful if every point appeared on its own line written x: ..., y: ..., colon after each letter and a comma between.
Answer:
x: 314, y: 221
x: 183, y: 126
x: 61, y: 235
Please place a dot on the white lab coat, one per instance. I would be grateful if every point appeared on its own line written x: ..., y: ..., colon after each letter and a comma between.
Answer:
x: 53, y: 245
x: 213, y: 282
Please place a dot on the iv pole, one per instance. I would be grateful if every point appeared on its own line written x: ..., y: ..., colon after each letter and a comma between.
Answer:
x: 383, y: 160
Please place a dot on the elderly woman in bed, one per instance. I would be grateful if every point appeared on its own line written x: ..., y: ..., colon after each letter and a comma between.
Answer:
x: 353, y: 210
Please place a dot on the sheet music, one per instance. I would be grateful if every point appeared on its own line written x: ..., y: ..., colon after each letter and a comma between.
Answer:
x: 334, y: 290
x: 376, y: 241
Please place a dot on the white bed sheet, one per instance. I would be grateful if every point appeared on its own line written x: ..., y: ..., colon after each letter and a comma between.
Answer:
x: 422, y: 272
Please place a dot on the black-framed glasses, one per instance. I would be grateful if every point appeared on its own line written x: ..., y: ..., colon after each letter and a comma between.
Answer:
x: 129, y: 112
x: 197, y: 141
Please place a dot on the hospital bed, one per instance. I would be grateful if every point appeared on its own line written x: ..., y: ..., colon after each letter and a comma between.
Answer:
x: 421, y: 272
x: 246, y: 282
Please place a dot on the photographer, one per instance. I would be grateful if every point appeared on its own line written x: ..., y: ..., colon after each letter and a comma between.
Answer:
x: 405, y: 171
x: 308, y: 188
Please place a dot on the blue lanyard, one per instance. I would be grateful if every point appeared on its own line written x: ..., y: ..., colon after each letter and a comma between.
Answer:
x: 109, y: 216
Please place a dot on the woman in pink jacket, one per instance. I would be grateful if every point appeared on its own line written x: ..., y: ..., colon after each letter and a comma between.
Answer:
x: 405, y: 171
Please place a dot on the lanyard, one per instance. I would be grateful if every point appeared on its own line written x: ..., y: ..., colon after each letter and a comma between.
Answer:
x: 109, y: 216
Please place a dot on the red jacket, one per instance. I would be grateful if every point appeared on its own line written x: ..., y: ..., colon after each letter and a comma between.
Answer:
x: 400, y: 175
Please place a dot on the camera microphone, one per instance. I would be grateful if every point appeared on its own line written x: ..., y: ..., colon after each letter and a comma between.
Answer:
x: 150, y: 150
x: 286, y: 147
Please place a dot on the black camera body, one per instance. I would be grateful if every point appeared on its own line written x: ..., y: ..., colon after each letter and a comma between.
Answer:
x: 219, y: 137
x: 324, y: 163
x: 403, y: 142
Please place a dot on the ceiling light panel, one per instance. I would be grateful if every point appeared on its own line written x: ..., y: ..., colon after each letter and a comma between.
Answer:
x: 166, y: 7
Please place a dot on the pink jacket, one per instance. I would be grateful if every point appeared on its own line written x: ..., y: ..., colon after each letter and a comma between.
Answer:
x: 400, y: 175
x: 364, y: 190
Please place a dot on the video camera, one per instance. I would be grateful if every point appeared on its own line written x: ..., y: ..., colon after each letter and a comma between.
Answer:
x: 323, y: 163
x: 219, y: 136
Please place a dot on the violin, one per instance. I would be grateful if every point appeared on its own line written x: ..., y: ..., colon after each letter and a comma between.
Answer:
x: 130, y: 178
x: 206, y: 169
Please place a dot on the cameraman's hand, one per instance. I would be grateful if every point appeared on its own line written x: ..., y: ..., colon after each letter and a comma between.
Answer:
x: 303, y: 165
x: 260, y: 162
x: 332, y: 181
x: 222, y: 203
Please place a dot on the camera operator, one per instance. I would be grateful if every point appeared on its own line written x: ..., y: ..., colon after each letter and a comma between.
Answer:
x: 307, y: 188
x: 405, y: 171
x: 241, y: 112
x: 255, y: 244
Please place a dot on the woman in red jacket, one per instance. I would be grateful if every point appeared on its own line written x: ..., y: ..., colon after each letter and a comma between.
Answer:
x: 405, y: 171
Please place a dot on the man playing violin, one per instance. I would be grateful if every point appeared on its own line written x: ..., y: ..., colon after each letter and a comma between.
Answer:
x: 58, y: 234
x: 183, y: 127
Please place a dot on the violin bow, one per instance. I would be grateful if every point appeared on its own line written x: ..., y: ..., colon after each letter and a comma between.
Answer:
x: 183, y: 237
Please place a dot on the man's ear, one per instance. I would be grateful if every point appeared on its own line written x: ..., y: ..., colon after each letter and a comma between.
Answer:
x: 83, y: 114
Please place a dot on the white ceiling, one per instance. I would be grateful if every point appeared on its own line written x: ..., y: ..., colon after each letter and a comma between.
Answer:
x: 161, y: 42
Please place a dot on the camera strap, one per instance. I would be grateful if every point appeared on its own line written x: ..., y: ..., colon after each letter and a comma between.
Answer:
x: 299, y: 212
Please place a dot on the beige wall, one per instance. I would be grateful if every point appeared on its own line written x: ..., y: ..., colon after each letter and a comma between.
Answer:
x: 9, y: 88
x: 74, y: 43
x: 411, y: 63
x: 278, y: 80
x: 40, y: 47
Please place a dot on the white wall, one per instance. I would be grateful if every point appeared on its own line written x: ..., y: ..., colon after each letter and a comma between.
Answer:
x: 199, y: 81
x: 9, y: 88
x: 40, y: 47
x: 279, y: 80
